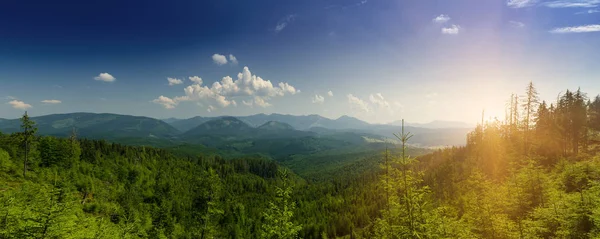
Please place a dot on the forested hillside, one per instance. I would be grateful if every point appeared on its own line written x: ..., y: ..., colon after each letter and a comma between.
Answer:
x: 535, y: 174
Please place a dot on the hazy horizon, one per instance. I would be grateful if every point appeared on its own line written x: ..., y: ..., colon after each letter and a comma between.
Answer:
x: 299, y: 115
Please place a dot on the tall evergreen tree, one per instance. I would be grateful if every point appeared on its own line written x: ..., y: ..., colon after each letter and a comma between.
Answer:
x: 28, y: 135
x: 278, y: 217
x: 529, y: 105
x: 594, y: 114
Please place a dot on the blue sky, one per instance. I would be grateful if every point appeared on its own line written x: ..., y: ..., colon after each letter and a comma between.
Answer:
x: 382, y: 60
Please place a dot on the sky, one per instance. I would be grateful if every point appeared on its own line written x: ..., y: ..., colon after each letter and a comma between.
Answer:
x: 377, y: 60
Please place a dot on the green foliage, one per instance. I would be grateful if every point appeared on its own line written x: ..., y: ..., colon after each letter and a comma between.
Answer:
x: 278, y: 216
x: 534, y: 176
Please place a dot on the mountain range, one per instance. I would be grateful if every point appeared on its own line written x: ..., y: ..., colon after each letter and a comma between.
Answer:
x: 91, y: 125
x: 229, y: 131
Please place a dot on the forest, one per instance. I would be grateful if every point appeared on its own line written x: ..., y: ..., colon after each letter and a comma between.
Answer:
x: 533, y: 174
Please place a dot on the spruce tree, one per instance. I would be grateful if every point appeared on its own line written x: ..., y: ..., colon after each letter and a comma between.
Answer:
x: 28, y: 135
x: 529, y: 104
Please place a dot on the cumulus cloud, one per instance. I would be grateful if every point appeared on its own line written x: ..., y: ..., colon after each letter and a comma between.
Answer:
x: 318, y: 99
x: 261, y: 102
x: 284, y: 22
x: 105, y: 77
x: 233, y: 59
x: 379, y: 101
x: 17, y: 104
x: 576, y: 29
x: 517, y: 24
x: 572, y: 3
x: 452, y: 30
x: 195, y: 79
x: 8, y: 97
x: 520, y: 3
x: 219, y: 59
x: 51, y: 101
x: 441, y: 18
x: 357, y: 103
x: 173, y: 81
x: 167, y: 102
x: 221, y: 93
x: 330, y: 94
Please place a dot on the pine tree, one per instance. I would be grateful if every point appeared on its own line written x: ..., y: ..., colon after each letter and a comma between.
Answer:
x: 278, y: 217
x: 28, y: 135
x: 529, y: 105
x: 213, y: 206
x: 594, y: 114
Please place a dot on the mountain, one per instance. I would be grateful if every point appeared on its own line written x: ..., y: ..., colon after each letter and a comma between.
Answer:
x: 227, y: 125
x: 184, y: 125
x: 98, y: 126
x: 279, y: 130
x: 298, y: 122
x: 170, y: 120
x: 436, y: 124
x: 275, y: 126
x: 347, y: 122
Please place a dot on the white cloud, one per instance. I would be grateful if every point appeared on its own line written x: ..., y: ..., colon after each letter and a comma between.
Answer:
x: 284, y: 22
x: 210, y: 108
x: 576, y: 29
x: 105, y: 77
x: 167, y: 102
x: 248, y: 103
x: 520, y: 3
x: 220, y: 93
x: 17, y: 104
x: 51, y: 101
x: 330, y: 94
x: 195, y: 79
x: 441, y: 18
x: 261, y: 102
x: 357, y: 103
x: 233, y: 59
x: 219, y: 59
x: 10, y: 98
x: 572, y: 3
x: 591, y: 11
x: 173, y: 81
x: 318, y: 99
x: 517, y: 24
x: 379, y: 101
x: 453, y: 30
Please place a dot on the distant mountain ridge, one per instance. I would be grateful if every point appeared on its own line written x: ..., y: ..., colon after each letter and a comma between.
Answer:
x: 299, y: 122
x: 275, y: 126
x: 94, y: 125
x: 221, y: 126
x: 218, y: 130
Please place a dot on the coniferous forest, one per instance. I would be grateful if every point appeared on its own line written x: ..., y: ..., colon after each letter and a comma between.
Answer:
x: 533, y: 174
